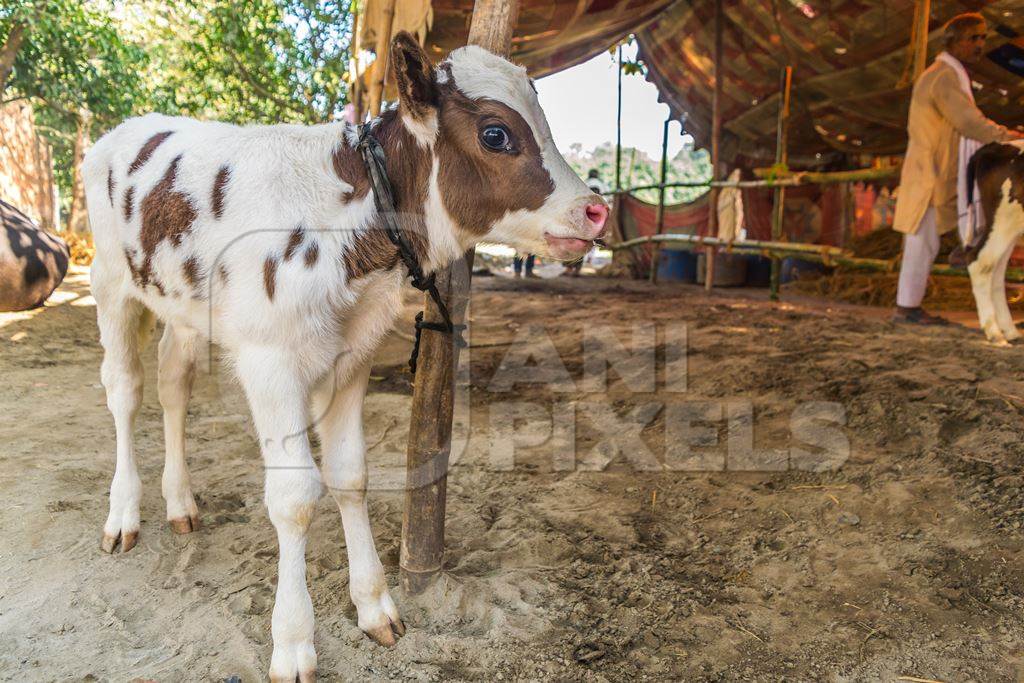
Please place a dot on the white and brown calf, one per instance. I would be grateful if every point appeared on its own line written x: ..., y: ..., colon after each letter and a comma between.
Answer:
x: 999, y: 172
x: 265, y: 240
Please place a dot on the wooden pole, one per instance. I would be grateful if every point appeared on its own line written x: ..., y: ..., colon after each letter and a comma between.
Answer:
x: 433, y: 398
x: 716, y: 141
x: 356, y: 94
x: 380, y: 63
x: 655, y: 251
x: 618, y: 128
x: 781, y: 155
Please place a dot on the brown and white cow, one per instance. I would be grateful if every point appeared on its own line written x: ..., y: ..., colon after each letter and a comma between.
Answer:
x: 999, y: 171
x: 32, y: 261
x: 266, y: 240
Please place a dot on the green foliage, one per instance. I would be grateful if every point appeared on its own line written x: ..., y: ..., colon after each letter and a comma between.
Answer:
x: 235, y: 60
x: 71, y: 59
x: 250, y: 60
x: 639, y: 169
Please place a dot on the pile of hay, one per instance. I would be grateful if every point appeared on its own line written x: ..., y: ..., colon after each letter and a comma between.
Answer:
x: 81, y: 247
x: 945, y: 292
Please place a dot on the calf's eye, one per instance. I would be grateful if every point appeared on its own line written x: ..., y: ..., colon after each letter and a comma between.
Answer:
x: 496, y: 138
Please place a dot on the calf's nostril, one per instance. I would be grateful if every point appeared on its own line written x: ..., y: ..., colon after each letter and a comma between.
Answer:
x: 597, y: 214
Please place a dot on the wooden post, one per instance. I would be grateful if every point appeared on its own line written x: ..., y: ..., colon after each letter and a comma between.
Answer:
x: 433, y: 398
x: 781, y: 156
x: 656, y: 248
x: 618, y: 129
x: 716, y: 141
x: 380, y: 63
x: 356, y: 93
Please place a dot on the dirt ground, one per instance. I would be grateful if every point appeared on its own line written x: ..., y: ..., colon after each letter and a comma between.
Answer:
x: 904, y: 560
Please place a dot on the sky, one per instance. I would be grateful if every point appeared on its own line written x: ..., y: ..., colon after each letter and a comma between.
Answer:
x: 580, y: 107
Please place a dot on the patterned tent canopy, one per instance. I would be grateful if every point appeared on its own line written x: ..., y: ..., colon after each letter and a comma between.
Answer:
x: 850, y: 59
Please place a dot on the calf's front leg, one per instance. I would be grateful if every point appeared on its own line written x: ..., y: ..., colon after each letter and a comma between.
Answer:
x: 339, y: 415
x: 278, y: 399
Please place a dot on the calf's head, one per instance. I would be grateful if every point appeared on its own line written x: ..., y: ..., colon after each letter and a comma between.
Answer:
x: 497, y: 172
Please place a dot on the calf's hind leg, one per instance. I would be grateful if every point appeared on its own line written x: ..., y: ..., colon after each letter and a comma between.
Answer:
x: 123, y: 323
x: 177, y: 371
x: 1002, y: 309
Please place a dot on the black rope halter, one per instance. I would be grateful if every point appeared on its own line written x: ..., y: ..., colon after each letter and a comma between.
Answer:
x: 384, y: 199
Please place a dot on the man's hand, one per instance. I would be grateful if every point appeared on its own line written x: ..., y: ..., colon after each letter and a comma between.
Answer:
x: 1016, y: 135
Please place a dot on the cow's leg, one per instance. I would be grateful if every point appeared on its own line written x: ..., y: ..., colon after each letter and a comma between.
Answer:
x: 278, y: 398
x: 123, y: 323
x: 339, y: 420
x: 177, y: 370
x: 1002, y: 309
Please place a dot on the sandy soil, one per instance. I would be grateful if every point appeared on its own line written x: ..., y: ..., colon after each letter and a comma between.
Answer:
x: 904, y: 561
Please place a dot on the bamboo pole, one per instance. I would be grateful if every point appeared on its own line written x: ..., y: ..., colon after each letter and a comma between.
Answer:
x: 788, y: 179
x: 618, y: 127
x: 656, y: 252
x: 716, y: 141
x: 380, y: 63
x: 433, y: 398
x: 830, y: 256
x: 781, y: 156
x: 758, y: 245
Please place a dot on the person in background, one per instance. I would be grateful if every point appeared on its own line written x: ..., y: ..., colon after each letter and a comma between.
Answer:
x: 517, y: 265
x: 596, y: 185
x: 942, y: 111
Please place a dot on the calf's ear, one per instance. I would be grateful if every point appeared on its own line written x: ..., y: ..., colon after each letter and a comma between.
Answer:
x: 414, y: 75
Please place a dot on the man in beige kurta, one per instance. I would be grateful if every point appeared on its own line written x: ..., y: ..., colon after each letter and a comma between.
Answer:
x: 942, y: 110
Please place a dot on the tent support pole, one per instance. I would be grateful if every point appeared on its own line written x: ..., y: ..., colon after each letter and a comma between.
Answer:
x: 433, y: 398
x: 618, y: 127
x: 380, y: 63
x: 716, y: 142
x: 781, y: 156
x: 655, y: 251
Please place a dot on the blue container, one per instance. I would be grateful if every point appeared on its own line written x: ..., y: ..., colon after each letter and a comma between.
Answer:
x: 677, y: 266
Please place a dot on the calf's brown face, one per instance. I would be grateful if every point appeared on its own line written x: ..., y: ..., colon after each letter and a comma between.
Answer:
x: 497, y: 174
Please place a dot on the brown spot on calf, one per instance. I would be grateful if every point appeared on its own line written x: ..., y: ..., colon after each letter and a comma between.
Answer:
x: 217, y: 196
x: 166, y: 213
x: 348, y: 166
x: 373, y: 250
x: 193, y: 275
x: 110, y: 185
x: 294, y: 242
x: 270, y: 276
x: 312, y: 254
x: 147, y: 151
x: 129, y: 202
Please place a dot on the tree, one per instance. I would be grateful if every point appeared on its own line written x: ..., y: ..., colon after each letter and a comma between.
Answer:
x: 249, y: 60
x: 639, y: 169
x: 67, y: 58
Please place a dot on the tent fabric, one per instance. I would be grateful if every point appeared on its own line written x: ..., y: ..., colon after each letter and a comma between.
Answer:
x: 850, y: 57
x: 851, y: 60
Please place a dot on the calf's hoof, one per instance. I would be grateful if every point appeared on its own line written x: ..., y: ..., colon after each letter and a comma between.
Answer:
x: 387, y: 634
x: 302, y: 677
x: 127, y: 541
x: 185, y: 525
